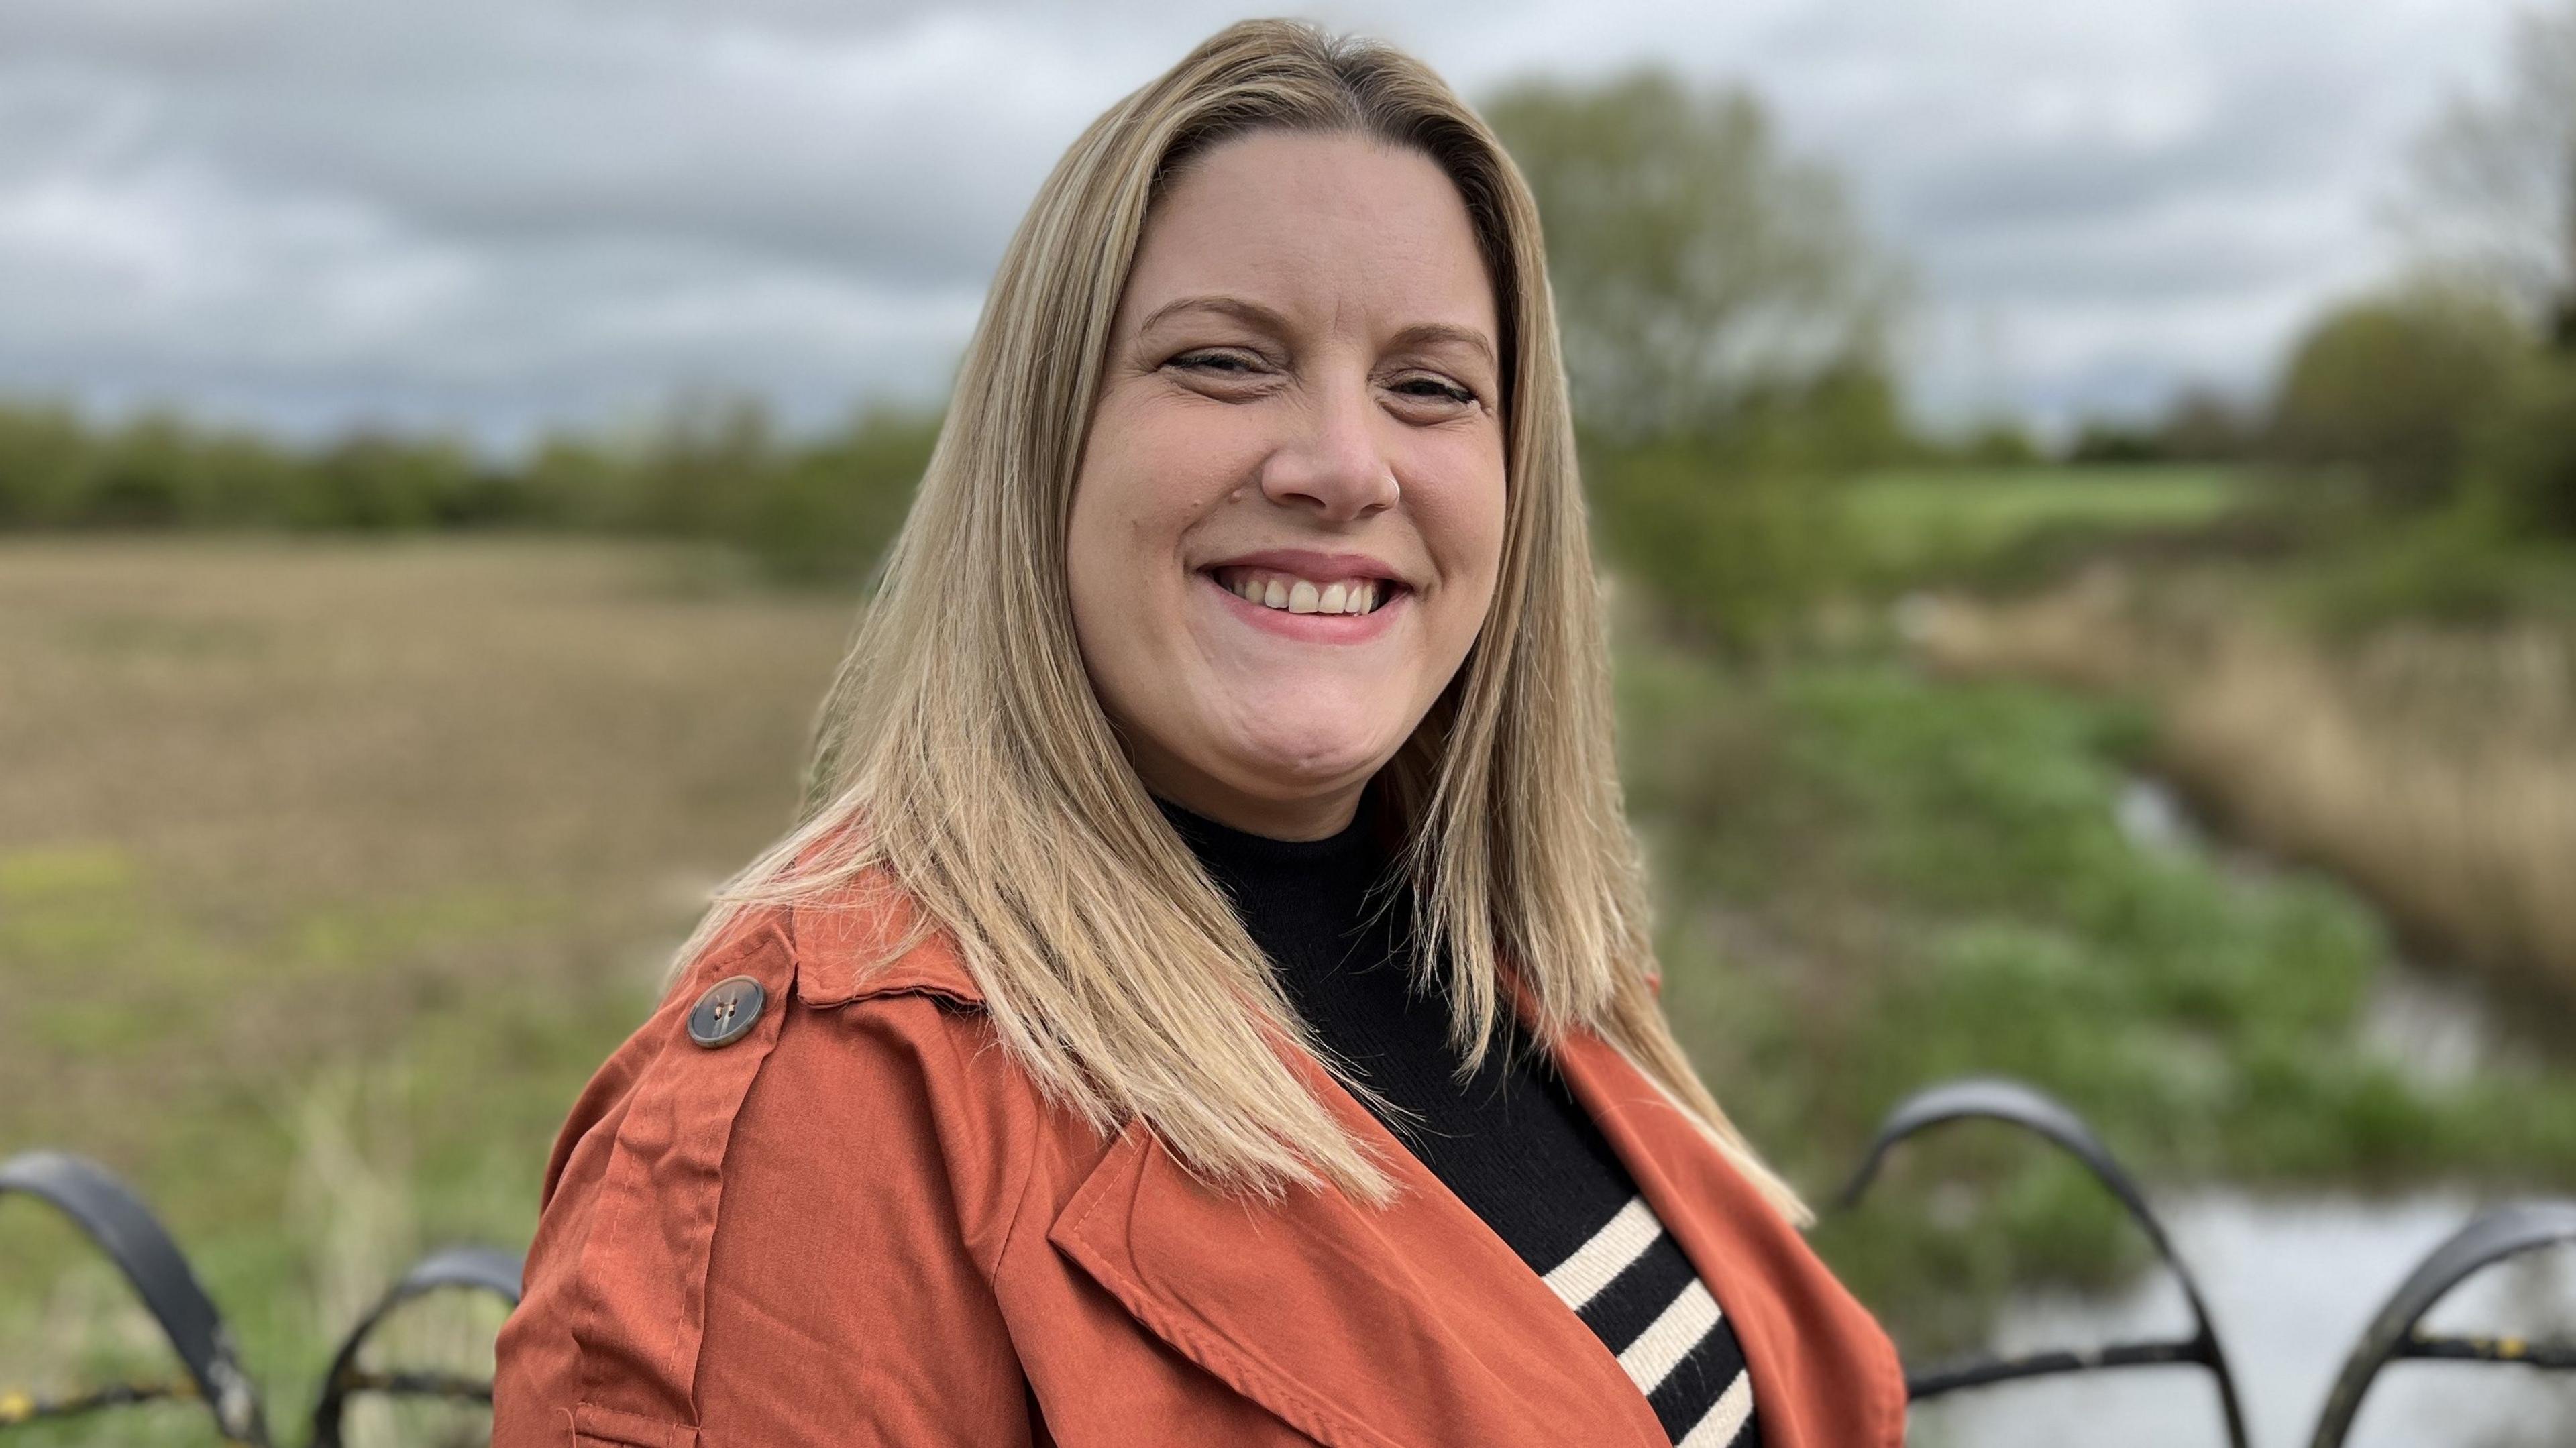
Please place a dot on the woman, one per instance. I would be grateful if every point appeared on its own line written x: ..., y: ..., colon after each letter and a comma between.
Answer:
x: 1209, y: 998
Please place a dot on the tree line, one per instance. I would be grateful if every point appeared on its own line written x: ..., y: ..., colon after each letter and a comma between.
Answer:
x: 807, y: 508
x: 1726, y: 320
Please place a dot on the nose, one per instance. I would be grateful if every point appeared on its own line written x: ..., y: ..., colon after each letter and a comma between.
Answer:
x: 1334, y: 467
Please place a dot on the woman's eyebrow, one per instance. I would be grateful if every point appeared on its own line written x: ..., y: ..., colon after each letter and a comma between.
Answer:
x: 1433, y: 334
x: 1253, y: 314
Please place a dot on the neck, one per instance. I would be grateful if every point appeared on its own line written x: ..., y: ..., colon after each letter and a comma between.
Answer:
x: 1304, y: 817
x: 1300, y: 900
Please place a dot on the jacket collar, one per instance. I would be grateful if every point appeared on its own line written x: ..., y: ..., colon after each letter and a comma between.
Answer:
x: 1824, y: 1373
x: 1416, y: 1326
x: 1409, y: 1327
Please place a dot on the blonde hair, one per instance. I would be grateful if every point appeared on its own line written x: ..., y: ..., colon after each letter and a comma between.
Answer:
x: 963, y: 750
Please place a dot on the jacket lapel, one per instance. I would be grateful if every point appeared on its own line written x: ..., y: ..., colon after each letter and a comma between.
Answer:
x: 1824, y: 1373
x: 1416, y: 1326
x: 1411, y: 1327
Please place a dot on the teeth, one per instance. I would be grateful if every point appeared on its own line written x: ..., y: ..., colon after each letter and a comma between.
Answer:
x: 1298, y: 595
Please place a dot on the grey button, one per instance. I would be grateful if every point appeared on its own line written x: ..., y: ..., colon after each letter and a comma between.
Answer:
x: 725, y: 1013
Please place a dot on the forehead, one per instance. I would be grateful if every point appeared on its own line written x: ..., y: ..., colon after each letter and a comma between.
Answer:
x: 1333, y: 229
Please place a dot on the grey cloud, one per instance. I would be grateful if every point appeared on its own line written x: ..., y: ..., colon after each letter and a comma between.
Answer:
x: 500, y: 213
x: 907, y: 153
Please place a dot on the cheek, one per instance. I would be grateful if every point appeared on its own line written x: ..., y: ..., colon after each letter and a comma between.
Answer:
x: 1116, y: 498
x: 1099, y: 550
x: 1461, y: 514
x: 1148, y: 474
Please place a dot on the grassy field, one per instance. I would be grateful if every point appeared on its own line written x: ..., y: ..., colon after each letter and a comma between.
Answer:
x: 1873, y: 880
x: 1920, y: 523
x: 328, y: 871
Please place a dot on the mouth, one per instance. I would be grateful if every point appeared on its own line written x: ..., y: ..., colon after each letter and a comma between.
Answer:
x: 1325, y: 591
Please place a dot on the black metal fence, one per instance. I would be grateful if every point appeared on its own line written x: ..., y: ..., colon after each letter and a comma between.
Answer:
x: 126, y: 1231
x: 2395, y: 1334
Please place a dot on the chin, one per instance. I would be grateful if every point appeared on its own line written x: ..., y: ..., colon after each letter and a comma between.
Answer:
x: 1317, y: 751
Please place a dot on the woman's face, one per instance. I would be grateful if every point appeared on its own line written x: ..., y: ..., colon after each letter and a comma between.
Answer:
x: 1289, y: 515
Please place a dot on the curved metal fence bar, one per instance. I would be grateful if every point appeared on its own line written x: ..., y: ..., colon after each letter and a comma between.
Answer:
x: 17, y: 1405
x: 2393, y: 1334
x: 116, y: 1219
x: 112, y: 1216
x: 2011, y: 1102
x: 476, y: 1269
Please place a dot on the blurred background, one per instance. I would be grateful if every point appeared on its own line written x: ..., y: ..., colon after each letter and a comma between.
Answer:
x: 2090, y: 493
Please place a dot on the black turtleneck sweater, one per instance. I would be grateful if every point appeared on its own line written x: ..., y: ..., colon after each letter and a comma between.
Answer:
x: 1513, y: 1143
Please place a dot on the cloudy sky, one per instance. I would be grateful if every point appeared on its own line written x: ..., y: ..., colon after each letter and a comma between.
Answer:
x: 505, y: 215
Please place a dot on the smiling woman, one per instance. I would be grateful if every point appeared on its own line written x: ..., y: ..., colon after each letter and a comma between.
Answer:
x: 1307, y: 414
x: 1228, y: 744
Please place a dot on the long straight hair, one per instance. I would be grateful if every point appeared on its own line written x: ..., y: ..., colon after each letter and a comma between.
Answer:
x: 963, y: 751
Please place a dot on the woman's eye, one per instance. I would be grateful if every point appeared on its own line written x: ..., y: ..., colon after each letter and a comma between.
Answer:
x: 1227, y: 364
x: 1434, y: 387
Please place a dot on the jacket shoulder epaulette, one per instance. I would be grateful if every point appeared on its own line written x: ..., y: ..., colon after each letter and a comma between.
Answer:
x: 796, y: 1088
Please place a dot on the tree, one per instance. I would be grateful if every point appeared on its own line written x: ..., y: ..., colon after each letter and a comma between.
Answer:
x: 2526, y: 457
x: 2107, y: 442
x: 2493, y: 183
x: 2202, y: 425
x: 826, y: 512
x: 1997, y: 442
x: 2397, y: 387
x: 1702, y: 277
x: 46, y: 463
x: 1724, y: 324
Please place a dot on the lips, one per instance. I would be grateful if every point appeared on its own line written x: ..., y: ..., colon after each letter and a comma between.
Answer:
x: 1309, y: 565
x: 1304, y: 614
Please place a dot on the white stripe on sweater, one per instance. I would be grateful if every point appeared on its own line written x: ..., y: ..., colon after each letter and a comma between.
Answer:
x: 1725, y: 1417
x: 1671, y: 1336
x: 1621, y: 1240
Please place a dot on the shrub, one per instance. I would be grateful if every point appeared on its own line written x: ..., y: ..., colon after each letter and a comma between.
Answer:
x: 2526, y: 457
x: 2396, y: 387
x: 825, y: 514
x: 1734, y: 548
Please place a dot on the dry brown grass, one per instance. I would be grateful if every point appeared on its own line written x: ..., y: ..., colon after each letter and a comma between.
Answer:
x: 425, y: 815
x: 2435, y: 769
x: 345, y: 718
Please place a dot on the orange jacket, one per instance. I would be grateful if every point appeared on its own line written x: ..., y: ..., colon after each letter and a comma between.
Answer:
x: 860, y: 1224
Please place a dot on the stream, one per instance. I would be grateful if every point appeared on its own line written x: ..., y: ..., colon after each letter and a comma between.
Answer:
x: 2292, y: 1281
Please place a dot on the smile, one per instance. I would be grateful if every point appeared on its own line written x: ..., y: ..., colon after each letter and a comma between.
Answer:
x: 1371, y: 608
x: 1289, y: 593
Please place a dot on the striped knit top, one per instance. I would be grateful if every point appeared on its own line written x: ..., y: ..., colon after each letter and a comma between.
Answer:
x: 1513, y: 1143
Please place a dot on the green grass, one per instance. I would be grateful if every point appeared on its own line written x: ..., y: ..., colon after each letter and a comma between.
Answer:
x: 1923, y: 523
x: 1873, y: 882
x: 328, y: 873
x: 298, y: 1183
x: 332, y: 872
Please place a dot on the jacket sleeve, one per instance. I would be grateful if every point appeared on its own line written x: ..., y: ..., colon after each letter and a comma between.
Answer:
x: 780, y: 1241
